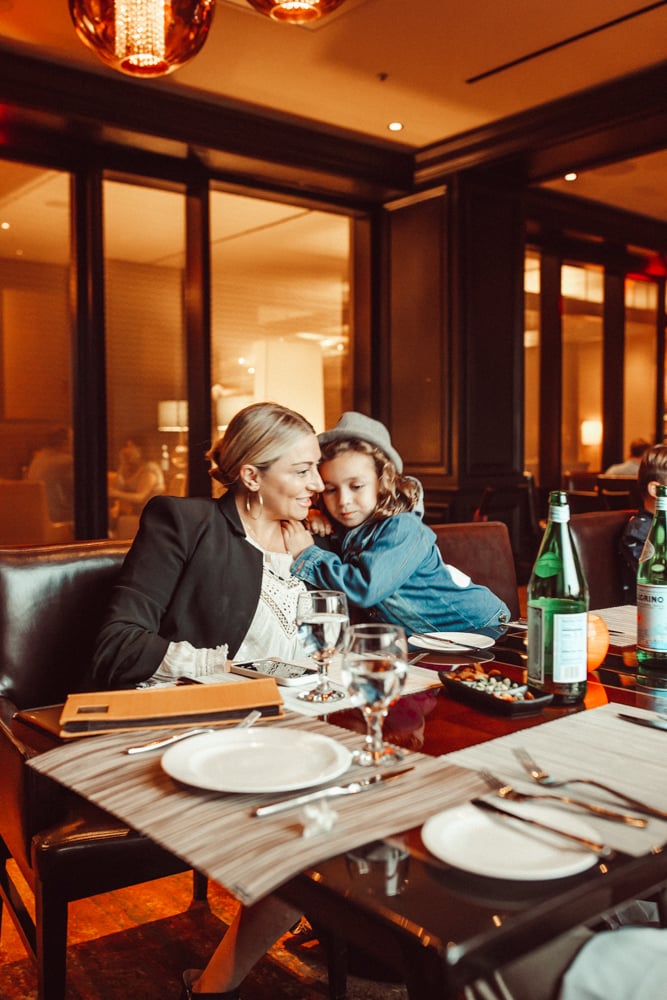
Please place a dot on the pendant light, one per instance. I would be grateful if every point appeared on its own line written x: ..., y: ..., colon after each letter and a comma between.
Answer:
x: 295, y: 11
x: 144, y: 38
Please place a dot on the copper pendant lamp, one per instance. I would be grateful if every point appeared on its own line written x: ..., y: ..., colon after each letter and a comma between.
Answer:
x: 295, y: 11
x: 144, y: 38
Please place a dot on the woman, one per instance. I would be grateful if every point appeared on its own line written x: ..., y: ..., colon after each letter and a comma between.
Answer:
x: 207, y: 580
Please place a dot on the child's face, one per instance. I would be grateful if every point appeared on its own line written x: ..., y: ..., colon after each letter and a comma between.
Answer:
x: 350, y: 487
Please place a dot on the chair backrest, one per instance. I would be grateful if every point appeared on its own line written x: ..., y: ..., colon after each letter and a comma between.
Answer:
x: 52, y: 601
x: 597, y: 537
x: 24, y: 515
x: 514, y: 505
x: 619, y: 492
x: 482, y: 549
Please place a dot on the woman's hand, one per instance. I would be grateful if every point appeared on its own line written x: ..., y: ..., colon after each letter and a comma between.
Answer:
x: 297, y: 538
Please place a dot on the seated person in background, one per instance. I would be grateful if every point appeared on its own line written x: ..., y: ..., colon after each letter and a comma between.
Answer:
x: 652, y: 473
x: 384, y: 557
x: 631, y: 465
x: 137, y: 479
x: 54, y: 466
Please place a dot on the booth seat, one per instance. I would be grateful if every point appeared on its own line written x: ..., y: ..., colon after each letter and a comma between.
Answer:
x: 24, y: 515
x: 52, y: 599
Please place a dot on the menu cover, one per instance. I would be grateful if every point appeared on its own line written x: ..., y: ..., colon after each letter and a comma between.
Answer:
x: 182, y: 705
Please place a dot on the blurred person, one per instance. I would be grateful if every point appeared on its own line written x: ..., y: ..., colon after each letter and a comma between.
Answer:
x: 652, y: 473
x: 630, y: 467
x: 54, y: 466
x: 137, y: 479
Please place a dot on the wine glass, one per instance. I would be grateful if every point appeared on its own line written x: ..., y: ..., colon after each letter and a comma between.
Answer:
x: 374, y: 670
x: 322, y: 618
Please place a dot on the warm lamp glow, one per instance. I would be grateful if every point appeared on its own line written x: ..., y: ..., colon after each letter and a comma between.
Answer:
x: 591, y: 432
x: 295, y: 11
x: 143, y: 37
x: 172, y: 415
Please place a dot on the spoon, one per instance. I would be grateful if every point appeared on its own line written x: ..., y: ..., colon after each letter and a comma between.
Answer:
x: 166, y: 741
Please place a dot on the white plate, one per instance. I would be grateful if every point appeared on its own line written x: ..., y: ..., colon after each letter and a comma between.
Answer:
x: 484, y: 844
x: 451, y: 641
x: 249, y: 760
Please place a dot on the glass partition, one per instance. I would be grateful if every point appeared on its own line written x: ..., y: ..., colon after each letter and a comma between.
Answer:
x: 582, y: 291
x: 641, y: 346
x: 147, y: 414
x: 36, y: 465
x: 280, y: 308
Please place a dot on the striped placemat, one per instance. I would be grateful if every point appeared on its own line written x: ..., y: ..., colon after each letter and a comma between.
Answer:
x: 589, y: 744
x: 216, y: 833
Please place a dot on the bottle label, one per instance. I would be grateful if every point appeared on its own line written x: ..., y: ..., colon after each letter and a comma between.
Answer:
x: 559, y: 514
x: 652, y: 617
x: 569, y: 639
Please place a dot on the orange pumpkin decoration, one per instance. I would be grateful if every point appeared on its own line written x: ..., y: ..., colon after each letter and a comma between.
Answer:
x: 598, y: 641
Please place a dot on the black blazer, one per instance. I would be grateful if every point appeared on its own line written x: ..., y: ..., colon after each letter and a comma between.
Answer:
x: 189, y: 575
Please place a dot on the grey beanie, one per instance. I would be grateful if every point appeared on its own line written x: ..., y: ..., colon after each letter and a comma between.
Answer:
x: 357, y: 426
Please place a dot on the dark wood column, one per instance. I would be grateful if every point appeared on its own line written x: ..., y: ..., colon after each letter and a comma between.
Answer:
x: 486, y: 253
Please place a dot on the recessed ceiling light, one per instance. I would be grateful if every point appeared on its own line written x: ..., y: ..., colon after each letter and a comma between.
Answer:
x: 395, y: 126
x: 4, y: 225
x: 570, y: 177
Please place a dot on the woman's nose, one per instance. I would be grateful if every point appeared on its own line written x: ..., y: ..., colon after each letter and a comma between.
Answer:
x: 316, y: 484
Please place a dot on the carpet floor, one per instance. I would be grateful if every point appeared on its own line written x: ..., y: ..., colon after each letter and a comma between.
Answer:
x: 134, y: 943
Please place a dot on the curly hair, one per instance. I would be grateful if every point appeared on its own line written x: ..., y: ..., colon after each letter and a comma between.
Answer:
x: 396, y: 493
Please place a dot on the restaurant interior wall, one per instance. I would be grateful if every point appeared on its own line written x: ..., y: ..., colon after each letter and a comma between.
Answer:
x: 485, y: 240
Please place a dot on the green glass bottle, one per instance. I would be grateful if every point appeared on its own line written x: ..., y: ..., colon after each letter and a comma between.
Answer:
x: 557, y: 611
x: 652, y: 597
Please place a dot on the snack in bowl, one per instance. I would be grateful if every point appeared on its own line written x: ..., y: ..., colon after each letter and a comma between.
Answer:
x: 491, y: 682
x: 492, y: 691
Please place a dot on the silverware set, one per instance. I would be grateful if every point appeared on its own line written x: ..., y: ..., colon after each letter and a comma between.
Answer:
x: 543, y: 778
x: 506, y: 791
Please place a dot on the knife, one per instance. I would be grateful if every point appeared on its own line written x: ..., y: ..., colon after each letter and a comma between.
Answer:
x: 438, y: 643
x: 651, y: 723
x: 361, y: 785
x: 600, y: 849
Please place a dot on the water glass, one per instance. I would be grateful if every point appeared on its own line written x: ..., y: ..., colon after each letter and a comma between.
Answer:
x: 322, y: 618
x: 374, y: 670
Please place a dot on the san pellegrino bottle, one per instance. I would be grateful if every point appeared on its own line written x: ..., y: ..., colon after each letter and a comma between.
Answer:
x: 558, y: 611
x: 652, y: 594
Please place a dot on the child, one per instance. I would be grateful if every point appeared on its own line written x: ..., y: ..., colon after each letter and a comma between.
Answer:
x: 652, y: 473
x: 385, y: 558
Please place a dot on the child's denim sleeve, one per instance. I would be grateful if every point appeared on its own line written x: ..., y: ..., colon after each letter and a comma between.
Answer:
x: 368, y: 574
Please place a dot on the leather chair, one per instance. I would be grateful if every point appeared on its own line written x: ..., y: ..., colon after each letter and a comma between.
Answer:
x: 483, y: 550
x: 52, y: 599
x: 597, y: 537
x: 619, y: 492
x: 24, y: 515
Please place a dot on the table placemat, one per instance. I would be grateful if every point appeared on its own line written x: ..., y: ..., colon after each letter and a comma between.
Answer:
x: 216, y: 832
x: 589, y: 744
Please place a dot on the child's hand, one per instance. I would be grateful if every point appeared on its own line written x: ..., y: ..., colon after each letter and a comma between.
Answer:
x: 297, y: 538
x: 319, y: 523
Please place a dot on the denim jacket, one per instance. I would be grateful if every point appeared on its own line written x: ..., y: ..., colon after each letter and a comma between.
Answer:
x: 394, y: 567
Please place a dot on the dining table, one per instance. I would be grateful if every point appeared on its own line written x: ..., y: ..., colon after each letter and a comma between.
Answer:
x: 409, y: 873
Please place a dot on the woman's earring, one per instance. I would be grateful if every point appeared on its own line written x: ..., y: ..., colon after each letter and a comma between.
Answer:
x: 248, y: 505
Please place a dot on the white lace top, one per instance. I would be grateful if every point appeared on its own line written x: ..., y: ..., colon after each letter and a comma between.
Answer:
x: 272, y: 632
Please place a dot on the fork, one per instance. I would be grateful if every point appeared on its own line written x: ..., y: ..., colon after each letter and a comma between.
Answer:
x: 506, y: 791
x: 545, y: 779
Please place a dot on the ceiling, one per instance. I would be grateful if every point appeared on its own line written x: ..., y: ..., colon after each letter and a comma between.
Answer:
x: 439, y: 67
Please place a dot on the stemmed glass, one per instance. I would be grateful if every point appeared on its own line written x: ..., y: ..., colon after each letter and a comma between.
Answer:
x: 374, y: 670
x: 322, y: 618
